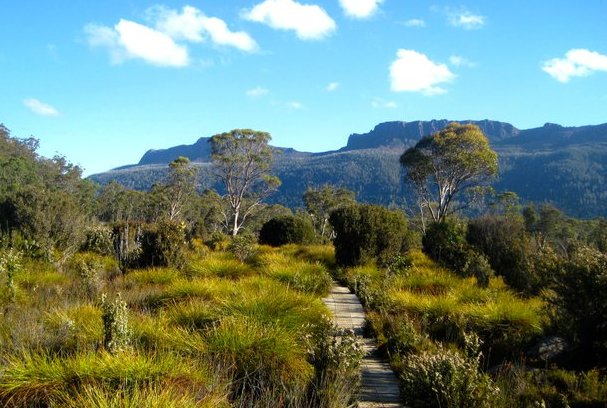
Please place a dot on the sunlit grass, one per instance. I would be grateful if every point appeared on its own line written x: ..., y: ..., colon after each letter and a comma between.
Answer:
x: 219, y: 265
x: 36, y: 379
x: 152, y: 276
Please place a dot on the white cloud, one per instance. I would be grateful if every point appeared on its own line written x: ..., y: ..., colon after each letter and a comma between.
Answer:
x: 257, y: 92
x: 360, y: 8
x: 295, y: 105
x: 379, y: 103
x: 129, y: 40
x: 415, y: 22
x: 193, y: 25
x: 465, y: 19
x: 459, y: 61
x: 577, y: 63
x: 40, y: 108
x: 332, y: 87
x: 151, y: 45
x: 158, y: 45
x: 310, y: 22
x: 415, y: 72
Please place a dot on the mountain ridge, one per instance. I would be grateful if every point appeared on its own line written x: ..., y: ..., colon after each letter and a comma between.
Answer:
x: 566, y: 166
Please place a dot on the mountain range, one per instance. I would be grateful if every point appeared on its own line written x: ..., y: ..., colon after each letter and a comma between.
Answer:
x: 566, y: 166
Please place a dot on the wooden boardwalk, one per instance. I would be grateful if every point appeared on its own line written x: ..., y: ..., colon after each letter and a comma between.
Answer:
x: 379, y: 388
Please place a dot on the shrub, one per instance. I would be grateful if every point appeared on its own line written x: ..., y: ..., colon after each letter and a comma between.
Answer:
x: 242, y: 246
x: 445, y: 242
x: 336, y: 355
x: 368, y: 233
x: 217, y: 241
x: 479, y: 268
x: 508, y: 250
x: 98, y: 239
x: 445, y: 379
x: 10, y: 264
x: 581, y: 304
x: 163, y: 244
x: 287, y: 229
x: 116, y: 330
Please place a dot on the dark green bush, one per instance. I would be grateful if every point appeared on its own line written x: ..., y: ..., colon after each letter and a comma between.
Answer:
x: 480, y: 268
x: 445, y: 242
x: 368, y: 233
x: 509, y: 251
x: 163, y: 244
x: 581, y: 304
x: 287, y: 229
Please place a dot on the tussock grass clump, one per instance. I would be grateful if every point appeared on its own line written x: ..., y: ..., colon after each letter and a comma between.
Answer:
x: 39, y: 275
x: 152, y: 276
x: 157, y: 334
x: 267, y: 362
x: 195, y: 314
x: 38, y: 379
x: 149, y: 396
x: 180, y: 290
x: 297, y: 274
x: 268, y: 302
x: 75, y: 328
x: 219, y: 265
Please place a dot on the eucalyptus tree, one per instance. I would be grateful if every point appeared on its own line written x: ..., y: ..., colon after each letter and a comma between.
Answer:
x: 242, y: 161
x: 444, y: 164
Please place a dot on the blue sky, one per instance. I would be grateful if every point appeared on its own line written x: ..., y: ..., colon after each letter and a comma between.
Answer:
x: 103, y: 81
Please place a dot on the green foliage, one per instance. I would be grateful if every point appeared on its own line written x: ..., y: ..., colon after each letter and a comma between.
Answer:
x: 479, y: 268
x: 10, y: 264
x: 337, y: 356
x: 510, y: 252
x: 449, y: 161
x: 368, y: 233
x: 241, y: 161
x: 163, y: 244
x: 116, y: 330
x: 266, y: 361
x: 320, y: 202
x: 445, y: 242
x: 287, y: 230
x: 581, y: 305
x: 446, y: 379
x: 242, y: 246
x: 99, y: 239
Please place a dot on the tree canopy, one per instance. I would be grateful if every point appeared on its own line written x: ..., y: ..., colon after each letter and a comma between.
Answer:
x: 241, y: 161
x: 442, y: 165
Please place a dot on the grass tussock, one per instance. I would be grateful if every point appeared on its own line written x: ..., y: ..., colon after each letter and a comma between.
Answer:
x: 219, y: 333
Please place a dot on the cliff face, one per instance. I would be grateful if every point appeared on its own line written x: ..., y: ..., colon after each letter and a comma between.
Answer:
x: 199, y: 151
x: 405, y: 134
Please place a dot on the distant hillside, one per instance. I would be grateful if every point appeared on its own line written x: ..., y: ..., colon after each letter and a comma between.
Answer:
x: 566, y: 166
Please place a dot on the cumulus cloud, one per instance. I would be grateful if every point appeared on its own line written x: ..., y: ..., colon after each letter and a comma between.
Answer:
x: 360, y: 8
x: 295, y: 105
x: 332, y: 87
x: 310, y: 22
x: 415, y: 72
x: 40, y: 108
x: 577, y: 63
x: 130, y: 40
x: 192, y: 25
x: 159, y: 45
x: 465, y: 19
x: 459, y: 61
x: 257, y: 92
x: 415, y: 22
x: 379, y: 103
x: 151, y: 45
